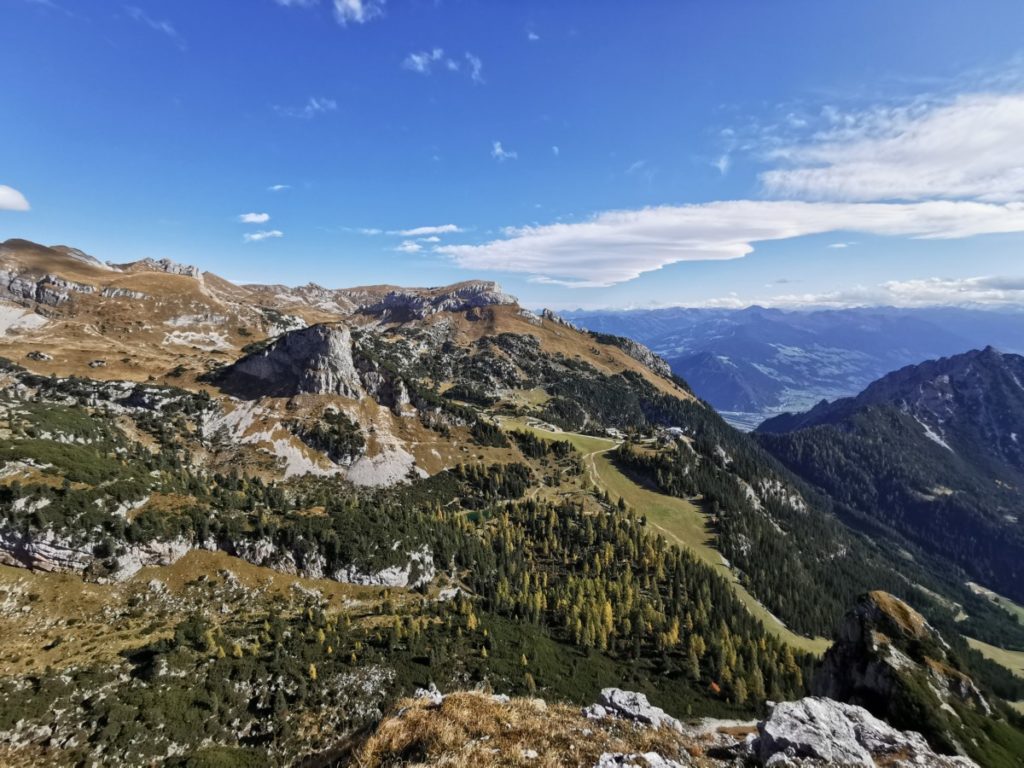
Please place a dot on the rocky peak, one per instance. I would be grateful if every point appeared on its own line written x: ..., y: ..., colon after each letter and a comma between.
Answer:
x: 313, y: 360
x: 161, y: 265
x: 554, y: 317
x: 404, y: 304
x: 888, y: 659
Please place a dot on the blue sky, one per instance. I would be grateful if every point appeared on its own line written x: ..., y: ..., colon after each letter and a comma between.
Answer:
x: 583, y: 154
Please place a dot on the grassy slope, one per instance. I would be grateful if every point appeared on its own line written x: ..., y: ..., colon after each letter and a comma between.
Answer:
x: 1012, y: 660
x: 677, y: 519
x: 1003, y: 602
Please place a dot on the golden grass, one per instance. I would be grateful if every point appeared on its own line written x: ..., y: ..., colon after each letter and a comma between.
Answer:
x: 57, y: 620
x: 906, y: 618
x: 1012, y: 660
x: 473, y: 730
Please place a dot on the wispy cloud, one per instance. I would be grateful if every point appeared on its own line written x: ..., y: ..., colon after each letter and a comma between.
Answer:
x: 438, y: 229
x: 265, y: 234
x: 532, y: 36
x: 617, y: 246
x: 723, y: 162
x: 982, y: 291
x: 357, y: 11
x: 839, y: 245
x: 476, y: 68
x: 278, y: 187
x: 968, y: 147
x: 164, y: 27
x: 556, y: 151
x: 409, y: 246
x: 499, y: 153
x: 49, y: 5
x: 423, y: 61
x: 12, y: 200
x: 254, y: 218
x: 313, y: 107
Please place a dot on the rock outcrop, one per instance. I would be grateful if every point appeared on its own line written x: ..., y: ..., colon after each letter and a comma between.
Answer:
x: 644, y: 355
x: 48, y: 290
x: 161, y: 265
x: 820, y: 731
x: 313, y: 360
x: 404, y: 304
x: 630, y: 705
x: 636, y: 760
x: 888, y: 659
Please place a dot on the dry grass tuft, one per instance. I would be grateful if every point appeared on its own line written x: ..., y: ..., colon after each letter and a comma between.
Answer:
x: 905, y: 617
x: 473, y: 730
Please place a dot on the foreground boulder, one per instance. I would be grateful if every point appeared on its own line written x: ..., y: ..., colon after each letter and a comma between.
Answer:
x: 630, y: 705
x: 820, y: 731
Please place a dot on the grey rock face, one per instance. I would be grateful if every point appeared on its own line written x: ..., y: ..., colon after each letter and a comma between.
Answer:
x: 548, y: 314
x: 825, y: 732
x: 630, y: 705
x: 642, y: 354
x: 162, y: 265
x: 314, y: 360
x: 48, y: 289
x: 403, y: 305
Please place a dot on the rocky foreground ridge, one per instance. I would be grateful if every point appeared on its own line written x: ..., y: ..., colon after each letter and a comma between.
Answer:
x: 624, y: 729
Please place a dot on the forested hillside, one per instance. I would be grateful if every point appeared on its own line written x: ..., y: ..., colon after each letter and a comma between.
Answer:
x: 930, y: 452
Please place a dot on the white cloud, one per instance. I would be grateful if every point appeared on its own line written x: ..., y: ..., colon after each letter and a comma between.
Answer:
x: 967, y: 148
x: 431, y: 239
x: 158, y: 25
x: 476, y: 68
x: 254, y: 218
x: 617, y: 246
x: 357, y: 11
x: 12, y: 200
x: 839, y: 245
x: 440, y: 229
x: 409, y: 246
x: 266, y: 234
x: 723, y: 163
x: 297, y: 3
x: 423, y: 61
x: 984, y: 291
x: 278, y: 187
x: 501, y: 154
x: 370, y: 231
x: 532, y: 36
x: 315, y: 106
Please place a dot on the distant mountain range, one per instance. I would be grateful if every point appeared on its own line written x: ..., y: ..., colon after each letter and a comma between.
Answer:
x: 934, y: 452
x: 757, y: 362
